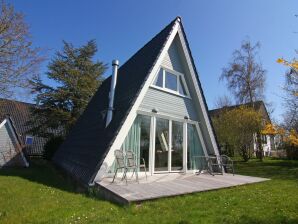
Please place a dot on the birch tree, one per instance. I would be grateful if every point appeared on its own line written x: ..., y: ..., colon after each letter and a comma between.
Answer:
x: 244, y: 75
x: 19, y: 60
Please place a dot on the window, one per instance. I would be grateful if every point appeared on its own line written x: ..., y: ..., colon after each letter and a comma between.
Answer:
x: 181, y: 87
x: 170, y: 81
x: 159, y: 79
x: 29, y: 140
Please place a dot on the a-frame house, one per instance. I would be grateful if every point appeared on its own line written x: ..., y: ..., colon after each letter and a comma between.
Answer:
x: 158, y: 110
x: 11, y: 146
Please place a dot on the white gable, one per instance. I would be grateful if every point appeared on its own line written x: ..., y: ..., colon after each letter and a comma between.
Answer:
x: 166, y: 102
x: 174, y: 56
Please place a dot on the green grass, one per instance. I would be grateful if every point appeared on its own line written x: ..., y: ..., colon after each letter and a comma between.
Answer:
x: 40, y: 195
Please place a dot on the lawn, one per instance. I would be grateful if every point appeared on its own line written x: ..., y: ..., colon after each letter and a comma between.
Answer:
x: 40, y: 195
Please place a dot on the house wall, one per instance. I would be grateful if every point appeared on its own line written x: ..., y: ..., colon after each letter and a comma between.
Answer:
x: 178, y: 106
x: 169, y: 104
x: 172, y: 59
x: 267, y: 147
x: 9, y: 155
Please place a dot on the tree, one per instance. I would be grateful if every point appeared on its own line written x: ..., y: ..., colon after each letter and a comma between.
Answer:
x: 19, y: 60
x: 291, y: 76
x: 77, y: 78
x: 245, y: 76
x: 291, y: 101
x: 223, y: 101
x: 237, y: 128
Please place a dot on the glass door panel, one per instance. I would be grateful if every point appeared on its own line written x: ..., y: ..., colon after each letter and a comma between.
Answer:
x: 138, y: 139
x: 161, y: 145
x: 195, y: 161
x: 144, y: 140
x: 177, y: 146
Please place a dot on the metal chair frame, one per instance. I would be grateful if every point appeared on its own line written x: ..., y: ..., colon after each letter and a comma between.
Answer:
x: 120, y: 163
x: 131, y: 164
x: 221, y: 162
x: 127, y: 162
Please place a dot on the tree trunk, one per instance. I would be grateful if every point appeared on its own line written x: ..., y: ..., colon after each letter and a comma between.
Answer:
x: 259, y: 147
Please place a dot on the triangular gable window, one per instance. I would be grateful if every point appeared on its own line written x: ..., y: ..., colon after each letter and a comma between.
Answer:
x: 159, y: 79
x: 181, y: 87
x: 170, y: 81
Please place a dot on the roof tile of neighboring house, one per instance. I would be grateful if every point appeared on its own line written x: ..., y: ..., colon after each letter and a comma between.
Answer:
x: 19, y: 114
x: 258, y: 105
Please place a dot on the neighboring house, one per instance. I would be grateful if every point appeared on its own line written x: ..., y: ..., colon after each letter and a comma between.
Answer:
x: 267, y: 141
x: 154, y: 105
x: 19, y: 114
x: 11, y: 147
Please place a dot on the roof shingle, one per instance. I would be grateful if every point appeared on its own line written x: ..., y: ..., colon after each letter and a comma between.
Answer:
x: 88, y: 142
x: 19, y: 114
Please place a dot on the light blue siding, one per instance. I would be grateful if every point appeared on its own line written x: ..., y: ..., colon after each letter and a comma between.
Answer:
x: 167, y: 103
x: 172, y: 59
x: 173, y: 105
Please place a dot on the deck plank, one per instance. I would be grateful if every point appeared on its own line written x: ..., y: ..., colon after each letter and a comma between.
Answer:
x: 165, y: 185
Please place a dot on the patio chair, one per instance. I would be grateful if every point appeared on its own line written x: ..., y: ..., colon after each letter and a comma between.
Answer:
x: 131, y: 164
x: 214, y: 165
x: 143, y: 165
x: 227, y: 163
x: 120, y: 164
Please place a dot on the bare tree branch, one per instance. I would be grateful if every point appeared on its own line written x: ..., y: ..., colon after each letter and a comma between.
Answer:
x: 19, y: 60
x: 244, y: 75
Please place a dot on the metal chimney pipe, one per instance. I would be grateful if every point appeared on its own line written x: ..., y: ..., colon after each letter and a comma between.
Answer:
x: 115, y: 64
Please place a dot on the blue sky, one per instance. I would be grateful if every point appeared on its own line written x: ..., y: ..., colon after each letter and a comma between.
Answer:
x: 214, y: 30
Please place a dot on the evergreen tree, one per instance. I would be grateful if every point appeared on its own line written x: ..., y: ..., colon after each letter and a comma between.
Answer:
x: 77, y: 77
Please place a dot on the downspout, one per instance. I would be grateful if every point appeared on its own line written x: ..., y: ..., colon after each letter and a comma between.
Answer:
x: 115, y: 64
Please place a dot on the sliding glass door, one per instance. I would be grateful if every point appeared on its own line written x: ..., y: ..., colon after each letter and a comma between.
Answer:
x: 138, y: 140
x: 195, y: 150
x: 161, y: 145
x: 177, y: 146
x: 166, y: 146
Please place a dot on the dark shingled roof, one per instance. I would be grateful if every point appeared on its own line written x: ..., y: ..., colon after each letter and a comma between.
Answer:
x: 257, y: 105
x: 88, y: 142
x: 19, y: 114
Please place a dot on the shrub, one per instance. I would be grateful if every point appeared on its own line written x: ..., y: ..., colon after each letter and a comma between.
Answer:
x: 292, y: 151
x: 51, y: 147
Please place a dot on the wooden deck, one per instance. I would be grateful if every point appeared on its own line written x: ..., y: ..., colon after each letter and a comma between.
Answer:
x: 166, y: 185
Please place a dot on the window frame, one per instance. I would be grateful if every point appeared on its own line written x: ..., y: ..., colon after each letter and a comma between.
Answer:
x: 179, y: 76
x: 28, y: 137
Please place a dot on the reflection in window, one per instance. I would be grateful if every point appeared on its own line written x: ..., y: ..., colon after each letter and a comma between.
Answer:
x: 177, y: 146
x: 171, y: 81
x: 194, y: 149
x: 161, y: 144
x: 138, y: 139
x: 159, y: 78
x: 29, y: 140
x: 181, y: 87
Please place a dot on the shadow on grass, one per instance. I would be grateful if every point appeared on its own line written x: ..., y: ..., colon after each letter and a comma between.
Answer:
x: 270, y: 168
x: 45, y: 173
x: 42, y: 172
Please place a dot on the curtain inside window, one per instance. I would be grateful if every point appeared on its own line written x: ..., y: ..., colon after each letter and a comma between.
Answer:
x: 133, y: 139
x: 131, y: 142
x: 194, y: 149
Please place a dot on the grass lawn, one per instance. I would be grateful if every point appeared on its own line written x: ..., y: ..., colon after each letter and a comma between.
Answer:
x: 40, y: 195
